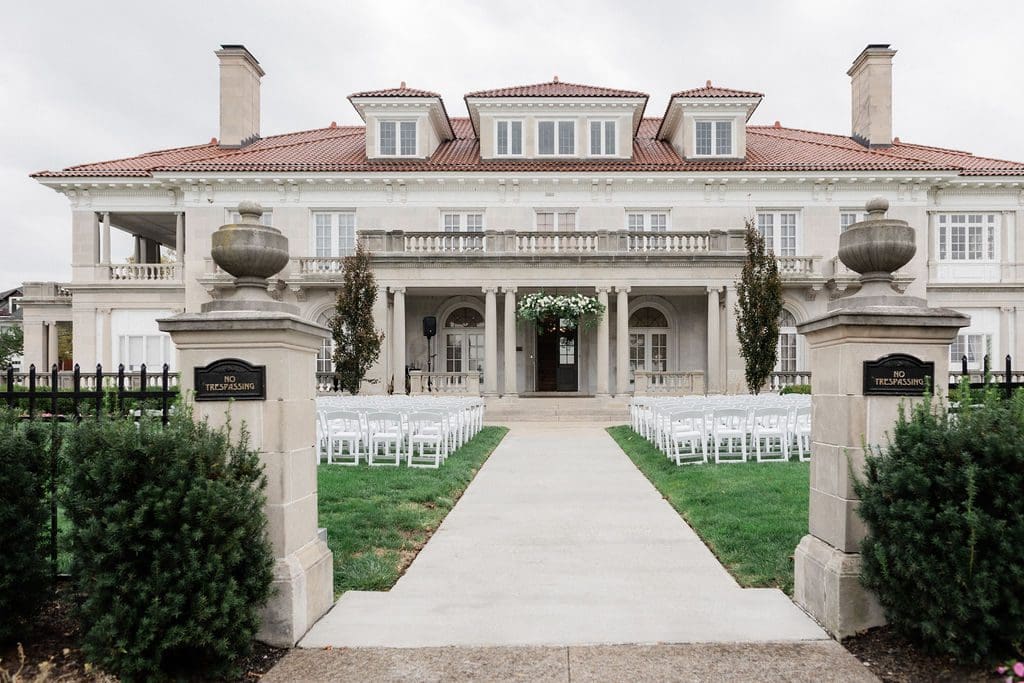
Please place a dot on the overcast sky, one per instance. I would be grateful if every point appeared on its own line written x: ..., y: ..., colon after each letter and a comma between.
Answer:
x: 85, y: 82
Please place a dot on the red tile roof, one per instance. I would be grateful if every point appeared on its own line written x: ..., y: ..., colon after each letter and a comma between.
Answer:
x: 556, y: 88
x: 714, y: 91
x: 401, y: 91
x: 341, y: 149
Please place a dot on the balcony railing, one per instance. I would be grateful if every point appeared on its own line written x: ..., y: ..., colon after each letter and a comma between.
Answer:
x: 685, y: 383
x: 145, y: 272
x: 779, y: 380
x: 799, y: 265
x: 456, y: 383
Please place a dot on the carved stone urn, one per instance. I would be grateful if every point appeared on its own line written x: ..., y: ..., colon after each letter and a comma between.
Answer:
x: 875, y: 248
x: 252, y: 253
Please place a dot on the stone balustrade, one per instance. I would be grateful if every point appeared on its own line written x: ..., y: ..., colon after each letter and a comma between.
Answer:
x: 671, y: 383
x: 442, y: 383
x: 144, y: 272
x: 780, y: 380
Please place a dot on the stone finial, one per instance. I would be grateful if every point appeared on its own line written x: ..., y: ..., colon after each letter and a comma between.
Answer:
x: 877, y: 247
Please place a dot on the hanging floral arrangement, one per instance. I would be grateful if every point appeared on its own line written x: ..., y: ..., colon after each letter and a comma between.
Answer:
x: 565, y: 312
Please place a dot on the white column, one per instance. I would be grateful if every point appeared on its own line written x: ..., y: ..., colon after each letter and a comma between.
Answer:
x: 602, y: 343
x: 105, y: 355
x: 490, y: 341
x: 139, y: 251
x: 106, y: 237
x: 95, y: 239
x: 510, y: 341
x: 622, y: 341
x: 398, y: 340
x: 51, y: 345
x: 179, y: 237
x: 714, y: 383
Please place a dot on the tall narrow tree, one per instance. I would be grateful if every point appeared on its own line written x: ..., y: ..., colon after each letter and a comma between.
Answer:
x: 356, y: 341
x: 758, y: 307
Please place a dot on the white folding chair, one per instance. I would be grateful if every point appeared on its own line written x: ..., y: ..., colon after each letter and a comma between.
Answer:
x: 730, y: 425
x: 426, y: 431
x: 344, y: 436
x: 384, y: 430
x: 687, y: 428
x: 802, y: 433
x: 771, y: 434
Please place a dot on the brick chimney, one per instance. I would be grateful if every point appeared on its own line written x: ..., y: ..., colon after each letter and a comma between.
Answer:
x: 240, y: 75
x: 871, y: 83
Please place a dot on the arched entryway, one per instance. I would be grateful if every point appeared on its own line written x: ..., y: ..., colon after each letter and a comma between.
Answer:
x: 463, y: 338
x: 648, y: 340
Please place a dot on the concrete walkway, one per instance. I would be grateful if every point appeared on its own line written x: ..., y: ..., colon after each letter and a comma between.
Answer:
x: 561, y: 541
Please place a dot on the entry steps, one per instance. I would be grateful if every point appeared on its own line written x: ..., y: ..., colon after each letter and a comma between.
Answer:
x: 612, y: 411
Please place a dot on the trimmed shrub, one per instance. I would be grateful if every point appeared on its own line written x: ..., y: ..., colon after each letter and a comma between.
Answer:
x: 942, y: 504
x: 795, y: 389
x: 24, y: 522
x: 169, y: 546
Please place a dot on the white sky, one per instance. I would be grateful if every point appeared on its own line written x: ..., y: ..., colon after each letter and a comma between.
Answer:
x: 85, y: 82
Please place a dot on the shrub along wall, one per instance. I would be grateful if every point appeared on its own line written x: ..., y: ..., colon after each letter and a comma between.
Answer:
x: 943, y: 507
x: 169, y: 546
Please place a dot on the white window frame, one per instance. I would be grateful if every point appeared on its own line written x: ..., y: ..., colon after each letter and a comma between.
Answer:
x: 558, y: 213
x: 776, y: 236
x: 398, y: 137
x: 522, y: 137
x: 463, y: 222
x: 715, y: 151
x: 163, y: 342
x: 982, y: 345
x: 798, y: 346
x: 334, y: 232
x: 557, y: 139
x: 647, y: 223
x: 857, y: 214
x: 989, y: 226
x: 603, y: 124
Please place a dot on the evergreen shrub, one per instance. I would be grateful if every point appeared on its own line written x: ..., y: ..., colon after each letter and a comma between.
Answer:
x: 169, y: 546
x: 795, y: 389
x: 943, y: 507
x: 24, y: 523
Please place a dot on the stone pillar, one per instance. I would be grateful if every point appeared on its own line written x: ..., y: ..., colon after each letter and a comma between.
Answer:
x: 104, y: 355
x: 733, y: 367
x: 510, y: 342
x: 873, y: 323
x: 251, y: 327
x: 398, y: 340
x: 139, y: 252
x: 34, y: 346
x: 602, y: 343
x: 106, y: 237
x: 714, y: 341
x: 179, y: 237
x: 622, y: 341
x: 96, y: 239
x: 490, y: 342
x: 52, y: 354
x: 379, y: 370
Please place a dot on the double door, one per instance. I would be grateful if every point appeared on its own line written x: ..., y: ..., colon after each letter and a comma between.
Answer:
x: 557, y: 359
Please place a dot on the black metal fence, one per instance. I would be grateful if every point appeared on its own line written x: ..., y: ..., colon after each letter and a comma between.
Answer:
x: 1006, y: 379
x: 67, y: 398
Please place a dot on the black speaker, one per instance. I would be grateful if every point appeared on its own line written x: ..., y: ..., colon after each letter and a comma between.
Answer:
x: 429, y: 326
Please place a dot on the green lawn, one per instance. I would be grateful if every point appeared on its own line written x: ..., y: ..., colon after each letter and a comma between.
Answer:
x: 751, y: 515
x: 377, y: 518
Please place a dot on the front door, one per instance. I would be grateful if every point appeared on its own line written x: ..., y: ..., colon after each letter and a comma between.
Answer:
x: 557, y: 357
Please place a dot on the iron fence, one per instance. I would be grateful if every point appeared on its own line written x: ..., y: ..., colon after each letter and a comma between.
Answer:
x: 1007, y: 379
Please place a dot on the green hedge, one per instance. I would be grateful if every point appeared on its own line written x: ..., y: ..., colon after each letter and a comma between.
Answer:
x: 795, y: 389
x: 24, y: 523
x: 169, y: 546
x: 86, y: 407
x: 943, y: 508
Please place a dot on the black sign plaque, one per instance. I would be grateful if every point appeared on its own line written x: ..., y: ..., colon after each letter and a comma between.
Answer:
x: 898, y: 374
x: 231, y: 378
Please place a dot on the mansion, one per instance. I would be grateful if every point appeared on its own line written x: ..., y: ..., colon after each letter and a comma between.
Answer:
x: 555, y: 187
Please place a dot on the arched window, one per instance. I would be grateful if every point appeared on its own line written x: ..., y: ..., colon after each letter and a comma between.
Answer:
x: 786, y: 359
x: 325, y: 356
x: 648, y: 340
x: 464, y: 340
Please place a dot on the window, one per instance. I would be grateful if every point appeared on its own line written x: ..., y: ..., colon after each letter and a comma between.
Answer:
x: 509, y: 138
x: 786, y: 350
x: 556, y: 138
x: 325, y: 356
x: 549, y: 221
x: 967, y: 236
x: 151, y: 350
x: 647, y: 221
x: 266, y: 219
x: 397, y: 138
x: 458, y: 221
x: 848, y: 218
x: 713, y: 138
x: 602, y: 138
x: 648, y: 340
x: 779, y: 231
x: 464, y: 341
x: 974, y: 346
x: 334, y: 233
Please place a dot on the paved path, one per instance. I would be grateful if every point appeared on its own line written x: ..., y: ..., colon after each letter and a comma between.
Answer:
x: 560, y: 540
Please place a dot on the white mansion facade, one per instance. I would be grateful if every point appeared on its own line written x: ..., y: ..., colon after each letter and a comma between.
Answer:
x: 554, y: 187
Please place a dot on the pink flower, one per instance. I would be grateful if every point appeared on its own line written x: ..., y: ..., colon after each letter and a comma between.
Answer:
x: 1018, y: 669
x: 1001, y: 670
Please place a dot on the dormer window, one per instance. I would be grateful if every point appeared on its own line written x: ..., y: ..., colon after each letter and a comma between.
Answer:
x: 602, y: 138
x: 509, y: 138
x: 397, y: 138
x: 556, y: 138
x: 713, y: 138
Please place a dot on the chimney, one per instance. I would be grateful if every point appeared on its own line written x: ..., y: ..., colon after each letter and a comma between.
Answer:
x: 871, y: 83
x: 240, y: 75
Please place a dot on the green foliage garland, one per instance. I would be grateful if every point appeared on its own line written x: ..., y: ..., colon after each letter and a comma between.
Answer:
x: 758, y: 307
x: 559, y: 311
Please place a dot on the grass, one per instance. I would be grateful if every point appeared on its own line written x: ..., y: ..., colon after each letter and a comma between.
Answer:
x: 750, y: 515
x: 377, y: 518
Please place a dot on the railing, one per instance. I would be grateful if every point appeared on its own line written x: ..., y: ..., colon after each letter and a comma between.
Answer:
x: 460, y: 383
x: 90, y: 381
x: 556, y: 242
x: 662, y: 383
x: 668, y: 242
x: 148, y: 272
x: 321, y: 264
x: 1007, y: 379
x: 779, y: 380
x: 444, y: 242
x: 798, y: 265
